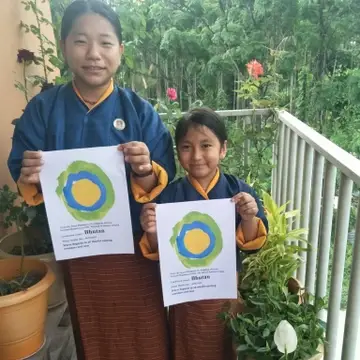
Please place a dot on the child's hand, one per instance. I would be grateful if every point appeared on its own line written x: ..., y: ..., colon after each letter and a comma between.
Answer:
x: 137, y: 154
x: 148, y: 218
x: 246, y: 206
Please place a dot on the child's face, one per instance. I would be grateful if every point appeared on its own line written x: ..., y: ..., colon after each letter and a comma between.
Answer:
x: 92, y: 50
x: 200, y: 153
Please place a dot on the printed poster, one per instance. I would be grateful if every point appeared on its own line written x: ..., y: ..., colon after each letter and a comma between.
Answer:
x: 197, y: 250
x: 87, y: 204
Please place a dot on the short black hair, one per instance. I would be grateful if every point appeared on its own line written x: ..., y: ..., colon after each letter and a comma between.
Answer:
x: 201, y: 117
x: 81, y: 7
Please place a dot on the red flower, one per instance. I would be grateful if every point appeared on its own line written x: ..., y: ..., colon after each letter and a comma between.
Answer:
x: 255, y: 69
x: 24, y: 55
x: 171, y: 94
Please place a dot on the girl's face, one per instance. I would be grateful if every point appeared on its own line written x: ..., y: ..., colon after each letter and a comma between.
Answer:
x: 92, y: 50
x: 200, y: 152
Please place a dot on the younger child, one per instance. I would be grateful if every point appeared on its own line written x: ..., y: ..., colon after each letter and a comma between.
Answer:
x: 200, y: 137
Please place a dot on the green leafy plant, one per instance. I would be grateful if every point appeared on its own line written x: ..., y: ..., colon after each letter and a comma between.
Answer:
x: 265, y: 307
x: 21, y: 216
x: 47, y: 48
x: 249, y: 150
x: 31, y: 220
x: 251, y: 138
x: 279, y: 257
x: 269, y: 296
x: 47, y: 51
x: 8, y: 211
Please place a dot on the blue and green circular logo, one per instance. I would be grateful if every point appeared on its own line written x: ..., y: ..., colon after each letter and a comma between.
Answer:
x: 86, y: 191
x: 197, y: 240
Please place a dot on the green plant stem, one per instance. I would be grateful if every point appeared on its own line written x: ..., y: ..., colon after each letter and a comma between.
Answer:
x: 19, y: 229
x: 22, y: 255
x: 42, y: 50
x: 25, y: 82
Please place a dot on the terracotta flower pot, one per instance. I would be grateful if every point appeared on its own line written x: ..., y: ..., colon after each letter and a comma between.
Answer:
x: 23, y: 314
x: 57, y: 293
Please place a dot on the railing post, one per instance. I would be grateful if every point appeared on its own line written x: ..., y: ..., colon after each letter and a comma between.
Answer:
x: 353, y: 306
x: 246, y: 122
x: 342, y: 225
x: 325, y: 231
x: 306, y: 192
x: 291, y: 175
x: 274, y: 172
x: 285, y: 162
x: 279, y: 165
x: 299, y: 178
x: 318, y: 172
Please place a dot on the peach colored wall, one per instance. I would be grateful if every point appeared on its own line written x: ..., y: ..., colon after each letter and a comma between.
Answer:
x: 12, y: 38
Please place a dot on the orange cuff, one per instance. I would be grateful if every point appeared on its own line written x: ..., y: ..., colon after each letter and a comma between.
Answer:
x: 140, y: 195
x: 255, y: 244
x: 146, y: 249
x: 30, y: 193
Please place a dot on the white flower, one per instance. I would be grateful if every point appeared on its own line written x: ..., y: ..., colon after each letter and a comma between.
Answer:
x: 285, y: 337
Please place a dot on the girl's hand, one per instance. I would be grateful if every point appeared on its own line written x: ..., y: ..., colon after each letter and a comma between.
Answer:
x: 31, y: 167
x: 137, y: 154
x: 246, y: 206
x: 148, y: 218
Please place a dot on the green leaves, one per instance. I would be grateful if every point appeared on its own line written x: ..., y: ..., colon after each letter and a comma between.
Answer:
x: 270, y: 299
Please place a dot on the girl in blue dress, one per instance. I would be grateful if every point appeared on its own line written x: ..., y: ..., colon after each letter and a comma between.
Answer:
x: 200, y: 137
x: 115, y: 301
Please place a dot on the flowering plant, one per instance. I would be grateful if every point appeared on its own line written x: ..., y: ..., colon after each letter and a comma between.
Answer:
x: 259, y: 89
x: 170, y: 109
x: 171, y: 94
x: 26, y: 58
x: 255, y: 69
x: 279, y: 320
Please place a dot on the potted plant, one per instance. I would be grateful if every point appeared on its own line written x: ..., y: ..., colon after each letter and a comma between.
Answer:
x: 34, y: 236
x: 24, y: 286
x: 278, y: 319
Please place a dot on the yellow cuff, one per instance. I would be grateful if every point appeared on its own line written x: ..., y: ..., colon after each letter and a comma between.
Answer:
x: 255, y: 244
x: 146, y: 249
x: 30, y: 193
x: 140, y: 195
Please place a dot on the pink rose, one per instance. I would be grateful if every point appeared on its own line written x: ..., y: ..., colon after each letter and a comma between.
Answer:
x: 171, y: 94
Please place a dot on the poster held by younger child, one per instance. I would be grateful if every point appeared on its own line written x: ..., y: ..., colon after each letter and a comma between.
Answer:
x: 197, y: 250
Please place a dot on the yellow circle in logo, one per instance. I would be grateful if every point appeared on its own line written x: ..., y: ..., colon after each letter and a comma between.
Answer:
x: 196, y: 241
x: 85, y: 192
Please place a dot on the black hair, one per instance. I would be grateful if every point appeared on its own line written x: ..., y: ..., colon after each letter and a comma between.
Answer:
x: 81, y: 7
x: 201, y: 117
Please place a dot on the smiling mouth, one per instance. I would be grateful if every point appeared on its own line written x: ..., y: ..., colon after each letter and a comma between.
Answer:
x: 93, y: 68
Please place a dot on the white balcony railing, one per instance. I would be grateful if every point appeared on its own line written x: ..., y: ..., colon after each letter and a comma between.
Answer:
x: 306, y: 169
x: 306, y: 172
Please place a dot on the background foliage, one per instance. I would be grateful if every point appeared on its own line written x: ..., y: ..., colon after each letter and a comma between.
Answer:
x: 201, y: 47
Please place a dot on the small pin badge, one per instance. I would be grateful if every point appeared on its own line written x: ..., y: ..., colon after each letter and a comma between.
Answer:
x: 119, y: 124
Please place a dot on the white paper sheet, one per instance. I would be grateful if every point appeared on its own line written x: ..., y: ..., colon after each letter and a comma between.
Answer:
x: 86, y: 200
x: 197, y: 250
